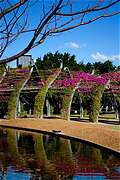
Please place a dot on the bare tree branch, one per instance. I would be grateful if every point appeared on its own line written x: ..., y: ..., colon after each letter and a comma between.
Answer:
x: 91, y: 9
x: 36, y: 34
x: 54, y: 18
x: 12, y: 8
x: 84, y: 23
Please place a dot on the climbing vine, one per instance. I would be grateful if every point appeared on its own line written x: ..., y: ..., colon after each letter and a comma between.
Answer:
x: 12, y: 102
x: 39, y: 101
x: 66, y: 103
x: 2, y: 69
x: 14, y: 95
x: 40, y: 98
x: 94, y: 103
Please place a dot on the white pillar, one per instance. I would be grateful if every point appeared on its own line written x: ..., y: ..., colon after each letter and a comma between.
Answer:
x: 81, y: 108
x: 19, y: 108
x: 48, y: 107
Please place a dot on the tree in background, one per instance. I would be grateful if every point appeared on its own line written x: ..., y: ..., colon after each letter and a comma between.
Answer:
x: 53, y: 60
x: 57, y: 16
x: 104, y: 67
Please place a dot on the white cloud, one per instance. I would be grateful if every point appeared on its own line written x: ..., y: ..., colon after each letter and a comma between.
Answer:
x: 116, y: 57
x: 101, y: 57
x: 74, y: 45
x: 83, y: 45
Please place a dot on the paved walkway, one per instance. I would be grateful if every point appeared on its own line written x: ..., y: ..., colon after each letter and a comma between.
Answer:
x: 100, y: 134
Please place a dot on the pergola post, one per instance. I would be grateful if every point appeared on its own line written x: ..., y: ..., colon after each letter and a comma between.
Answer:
x: 95, y: 102
x: 40, y: 98
x: 66, y: 104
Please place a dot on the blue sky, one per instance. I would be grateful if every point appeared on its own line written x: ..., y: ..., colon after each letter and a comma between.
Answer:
x: 93, y: 42
x: 98, y: 41
x: 90, y: 43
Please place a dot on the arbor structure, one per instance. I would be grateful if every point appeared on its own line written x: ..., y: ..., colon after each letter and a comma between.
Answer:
x: 25, y: 85
x: 40, y: 98
x: 84, y: 83
x: 114, y: 89
x: 52, y: 18
x: 11, y: 85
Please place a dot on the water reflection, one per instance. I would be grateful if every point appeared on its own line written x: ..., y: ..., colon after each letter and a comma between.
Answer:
x: 36, y: 156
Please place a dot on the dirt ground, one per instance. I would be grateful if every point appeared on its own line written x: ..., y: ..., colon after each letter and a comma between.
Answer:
x: 101, y: 134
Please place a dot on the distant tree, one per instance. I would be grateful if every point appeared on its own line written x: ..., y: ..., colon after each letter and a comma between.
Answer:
x: 39, y: 63
x: 70, y: 61
x: 82, y: 66
x: 108, y: 66
x: 89, y: 67
x: 98, y: 67
x: 105, y: 67
x: 51, y: 61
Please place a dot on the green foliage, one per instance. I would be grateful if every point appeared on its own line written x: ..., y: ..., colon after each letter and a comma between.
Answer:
x: 94, y: 102
x: 12, y: 103
x: 51, y: 61
x: 39, y: 101
x: 2, y: 69
x: 118, y: 105
x: 105, y: 67
x: 118, y: 99
x: 55, y: 98
x: 3, y: 109
x: 40, y: 98
x: 66, y: 103
x: 39, y: 149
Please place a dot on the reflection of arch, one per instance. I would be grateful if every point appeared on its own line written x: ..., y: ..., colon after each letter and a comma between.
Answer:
x: 12, y: 142
x: 85, y: 150
x: 58, y: 151
x: 39, y: 149
x: 67, y: 158
x: 13, y: 149
x: 41, y: 159
x: 61, y: 146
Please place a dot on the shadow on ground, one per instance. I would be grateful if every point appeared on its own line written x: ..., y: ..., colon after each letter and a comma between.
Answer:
x: 110, y: 122
x: 106, y: 121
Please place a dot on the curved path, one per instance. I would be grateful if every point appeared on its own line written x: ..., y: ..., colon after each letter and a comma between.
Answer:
x: 100, y: 134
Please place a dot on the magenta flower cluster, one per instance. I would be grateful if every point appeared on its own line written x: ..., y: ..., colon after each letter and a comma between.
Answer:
x: 86, y: 81
x: 23, y: 70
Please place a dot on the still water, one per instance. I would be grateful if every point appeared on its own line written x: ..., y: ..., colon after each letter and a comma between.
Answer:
x: 27, y: 156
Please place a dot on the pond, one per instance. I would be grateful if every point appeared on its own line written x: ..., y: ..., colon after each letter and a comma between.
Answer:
x: 27, y: 156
